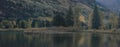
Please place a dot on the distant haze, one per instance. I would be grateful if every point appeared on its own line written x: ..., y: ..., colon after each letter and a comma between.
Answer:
x: 111, y: 4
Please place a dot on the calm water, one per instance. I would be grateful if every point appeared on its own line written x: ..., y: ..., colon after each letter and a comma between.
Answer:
x: 20, y: 39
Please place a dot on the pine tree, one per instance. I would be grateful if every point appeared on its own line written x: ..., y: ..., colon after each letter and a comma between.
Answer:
x: 29, y: 23
x: 22, y: 24
x: 96, y: 18
x: 69, y: 17
x: 59, y: 21
x: 36, y: 25
x: 1, y: 26
x: 119, y: 21
x: 6, y: 24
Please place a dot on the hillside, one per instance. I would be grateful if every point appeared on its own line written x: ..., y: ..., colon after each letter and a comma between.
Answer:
x: 35, y: 8
x: 41, y: 13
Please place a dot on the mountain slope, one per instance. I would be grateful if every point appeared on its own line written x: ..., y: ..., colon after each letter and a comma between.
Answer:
x: 35, y: 8
x: 111, y: 4
x: 42, y: 13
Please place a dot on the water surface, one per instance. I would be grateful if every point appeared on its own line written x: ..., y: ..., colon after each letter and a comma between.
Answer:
x: 21, y: 39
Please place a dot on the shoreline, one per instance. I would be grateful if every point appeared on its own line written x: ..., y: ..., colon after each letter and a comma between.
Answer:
x: 61, y: 30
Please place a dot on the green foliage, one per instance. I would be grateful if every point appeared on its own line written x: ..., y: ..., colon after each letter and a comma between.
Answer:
x: 6, y: 24
x: 58, y: 21
x: 36, y: 25
x: 22, y: 24
x: 118, y: 26
x: 29, y: 23
x: 70, y: 17
x: 1, y: 26
x: 18, y: 13
x: 96, y: 23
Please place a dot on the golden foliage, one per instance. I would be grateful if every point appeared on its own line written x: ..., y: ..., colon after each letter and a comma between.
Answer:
x: 81, y: 18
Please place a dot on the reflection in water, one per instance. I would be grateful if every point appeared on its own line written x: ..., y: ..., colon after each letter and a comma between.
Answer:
x: 95, y: 40
x: 62, y: 40
x: 20, y: 39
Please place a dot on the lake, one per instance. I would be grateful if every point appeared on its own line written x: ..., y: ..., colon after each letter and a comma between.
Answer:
x: 73, y: 39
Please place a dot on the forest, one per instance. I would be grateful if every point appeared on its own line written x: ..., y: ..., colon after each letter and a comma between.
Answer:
x: 38, y: 13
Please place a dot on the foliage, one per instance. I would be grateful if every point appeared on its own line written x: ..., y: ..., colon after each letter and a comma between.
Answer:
x: 96, y: 23
x: 70, y: 18
x: 59, y: 21
x: 26, y: 13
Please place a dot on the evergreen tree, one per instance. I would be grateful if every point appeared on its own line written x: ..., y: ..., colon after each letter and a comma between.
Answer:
x: 47, y: 23
x: 1, y: 26
x: 6, y: 24
x: 118, y: 21
x: 36, y: 25
x: 69, y: 18
x: 96, y: 18
x: 58, y: 21
x: 22, y: 24
x: 29, y: 23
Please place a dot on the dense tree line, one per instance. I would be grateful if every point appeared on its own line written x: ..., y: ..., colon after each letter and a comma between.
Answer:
x: 57, y: 21
x: 19, y: 24
x: 96, y: 19
x: 24, y: 14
